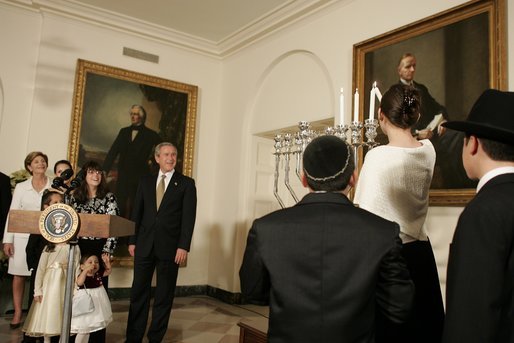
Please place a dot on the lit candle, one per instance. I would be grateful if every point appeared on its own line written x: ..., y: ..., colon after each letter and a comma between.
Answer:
x: 377, y: 92
x: 341, y: 108
x: 372, y: 101
x: 356, y: 106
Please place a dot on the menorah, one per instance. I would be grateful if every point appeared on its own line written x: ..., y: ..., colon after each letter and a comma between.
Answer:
x: 290, y: 146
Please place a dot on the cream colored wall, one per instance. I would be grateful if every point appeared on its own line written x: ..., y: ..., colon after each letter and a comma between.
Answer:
x: 289, y: 76
x: 17, y: 72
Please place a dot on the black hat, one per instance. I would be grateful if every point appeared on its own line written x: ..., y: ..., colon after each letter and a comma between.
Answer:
x: 492, y: 117
x: 325, y: 158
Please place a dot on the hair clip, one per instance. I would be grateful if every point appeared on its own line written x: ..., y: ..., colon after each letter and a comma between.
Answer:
x: 408, y: 100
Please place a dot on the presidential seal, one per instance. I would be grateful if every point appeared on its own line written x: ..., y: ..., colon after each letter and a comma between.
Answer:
x: 58, y: 223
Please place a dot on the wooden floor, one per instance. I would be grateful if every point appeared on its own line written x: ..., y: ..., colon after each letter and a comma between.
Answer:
x: 198, y: 319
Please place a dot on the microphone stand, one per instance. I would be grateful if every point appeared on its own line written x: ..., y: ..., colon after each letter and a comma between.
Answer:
x: 70, y: 278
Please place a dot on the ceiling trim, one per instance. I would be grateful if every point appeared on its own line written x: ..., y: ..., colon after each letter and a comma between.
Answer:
x: 270, y: 23
x: 262, y: 27
x: 130, y: 25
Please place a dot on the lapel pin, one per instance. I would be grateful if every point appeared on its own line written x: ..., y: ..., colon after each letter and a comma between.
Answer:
x: 176, y: 183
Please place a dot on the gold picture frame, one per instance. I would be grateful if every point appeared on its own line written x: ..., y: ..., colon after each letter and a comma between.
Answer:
x: 84, y: 112
x: 463, y: 52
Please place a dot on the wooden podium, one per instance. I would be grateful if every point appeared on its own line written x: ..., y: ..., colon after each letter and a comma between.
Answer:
x: 90, y: 225
x: 253, y: 331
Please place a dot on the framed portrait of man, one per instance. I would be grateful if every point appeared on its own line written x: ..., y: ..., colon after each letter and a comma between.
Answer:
x: 450, y: 58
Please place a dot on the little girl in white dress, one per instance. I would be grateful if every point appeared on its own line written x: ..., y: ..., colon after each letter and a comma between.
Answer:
x: 90, y: 280
x: 45, y: 315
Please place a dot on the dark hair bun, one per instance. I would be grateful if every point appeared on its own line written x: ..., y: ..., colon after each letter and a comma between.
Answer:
x: 410, y: 106
x: 401, y: 104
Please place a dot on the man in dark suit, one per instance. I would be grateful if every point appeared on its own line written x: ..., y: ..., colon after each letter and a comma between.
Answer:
x: 5, y: 201
x: 133, y: 145
x: 324, y: 265
x: 480, y: 280
x: 164, y: 213
x: 429, y: 106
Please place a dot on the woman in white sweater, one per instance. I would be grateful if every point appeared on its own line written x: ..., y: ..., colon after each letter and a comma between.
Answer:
x: 394, y: 183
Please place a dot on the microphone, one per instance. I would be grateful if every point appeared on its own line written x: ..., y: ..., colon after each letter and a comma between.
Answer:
x: 58, y: 182
x: 66, y: 174
x: 78, y: 179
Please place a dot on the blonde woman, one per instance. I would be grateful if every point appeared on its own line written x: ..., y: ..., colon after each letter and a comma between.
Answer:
x: 27, y: 196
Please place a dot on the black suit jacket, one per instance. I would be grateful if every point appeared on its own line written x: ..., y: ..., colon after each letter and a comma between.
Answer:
x: 480, y: 281
x: 133, y: 155
x: 5, y: 201
x: 161, y: 232
x: 324, y: 266
x: 33, y: 251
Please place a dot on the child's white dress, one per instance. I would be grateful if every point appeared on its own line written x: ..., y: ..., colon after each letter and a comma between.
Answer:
x: 45, y: 317
x: 102, y: 314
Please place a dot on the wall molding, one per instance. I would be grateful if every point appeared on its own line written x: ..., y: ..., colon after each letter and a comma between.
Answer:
x: 185, y: 291
x: 260, y: 28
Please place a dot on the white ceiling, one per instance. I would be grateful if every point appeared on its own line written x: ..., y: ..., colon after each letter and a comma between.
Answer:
x: 214, y: 27
x: 213, y: 20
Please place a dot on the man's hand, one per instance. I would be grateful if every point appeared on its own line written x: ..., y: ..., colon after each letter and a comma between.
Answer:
x: 9, y: 249
x: 132, y: 249
x: 181, y: 256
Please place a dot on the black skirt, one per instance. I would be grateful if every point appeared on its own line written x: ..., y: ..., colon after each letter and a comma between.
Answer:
x: 427, y: 317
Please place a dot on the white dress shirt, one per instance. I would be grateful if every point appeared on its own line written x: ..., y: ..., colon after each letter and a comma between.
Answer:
x: 493, y: 173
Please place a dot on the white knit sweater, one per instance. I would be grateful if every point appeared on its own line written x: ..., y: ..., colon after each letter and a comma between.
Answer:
x: 394, y: 183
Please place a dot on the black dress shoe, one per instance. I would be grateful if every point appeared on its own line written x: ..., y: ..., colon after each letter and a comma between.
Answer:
x: 14, y: 326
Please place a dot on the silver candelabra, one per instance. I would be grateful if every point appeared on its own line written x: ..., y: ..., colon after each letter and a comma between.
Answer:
x: 290, y: 146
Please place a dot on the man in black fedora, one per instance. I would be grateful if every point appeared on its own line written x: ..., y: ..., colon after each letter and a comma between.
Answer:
x: 324, y: 265
x: 480, y: 280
